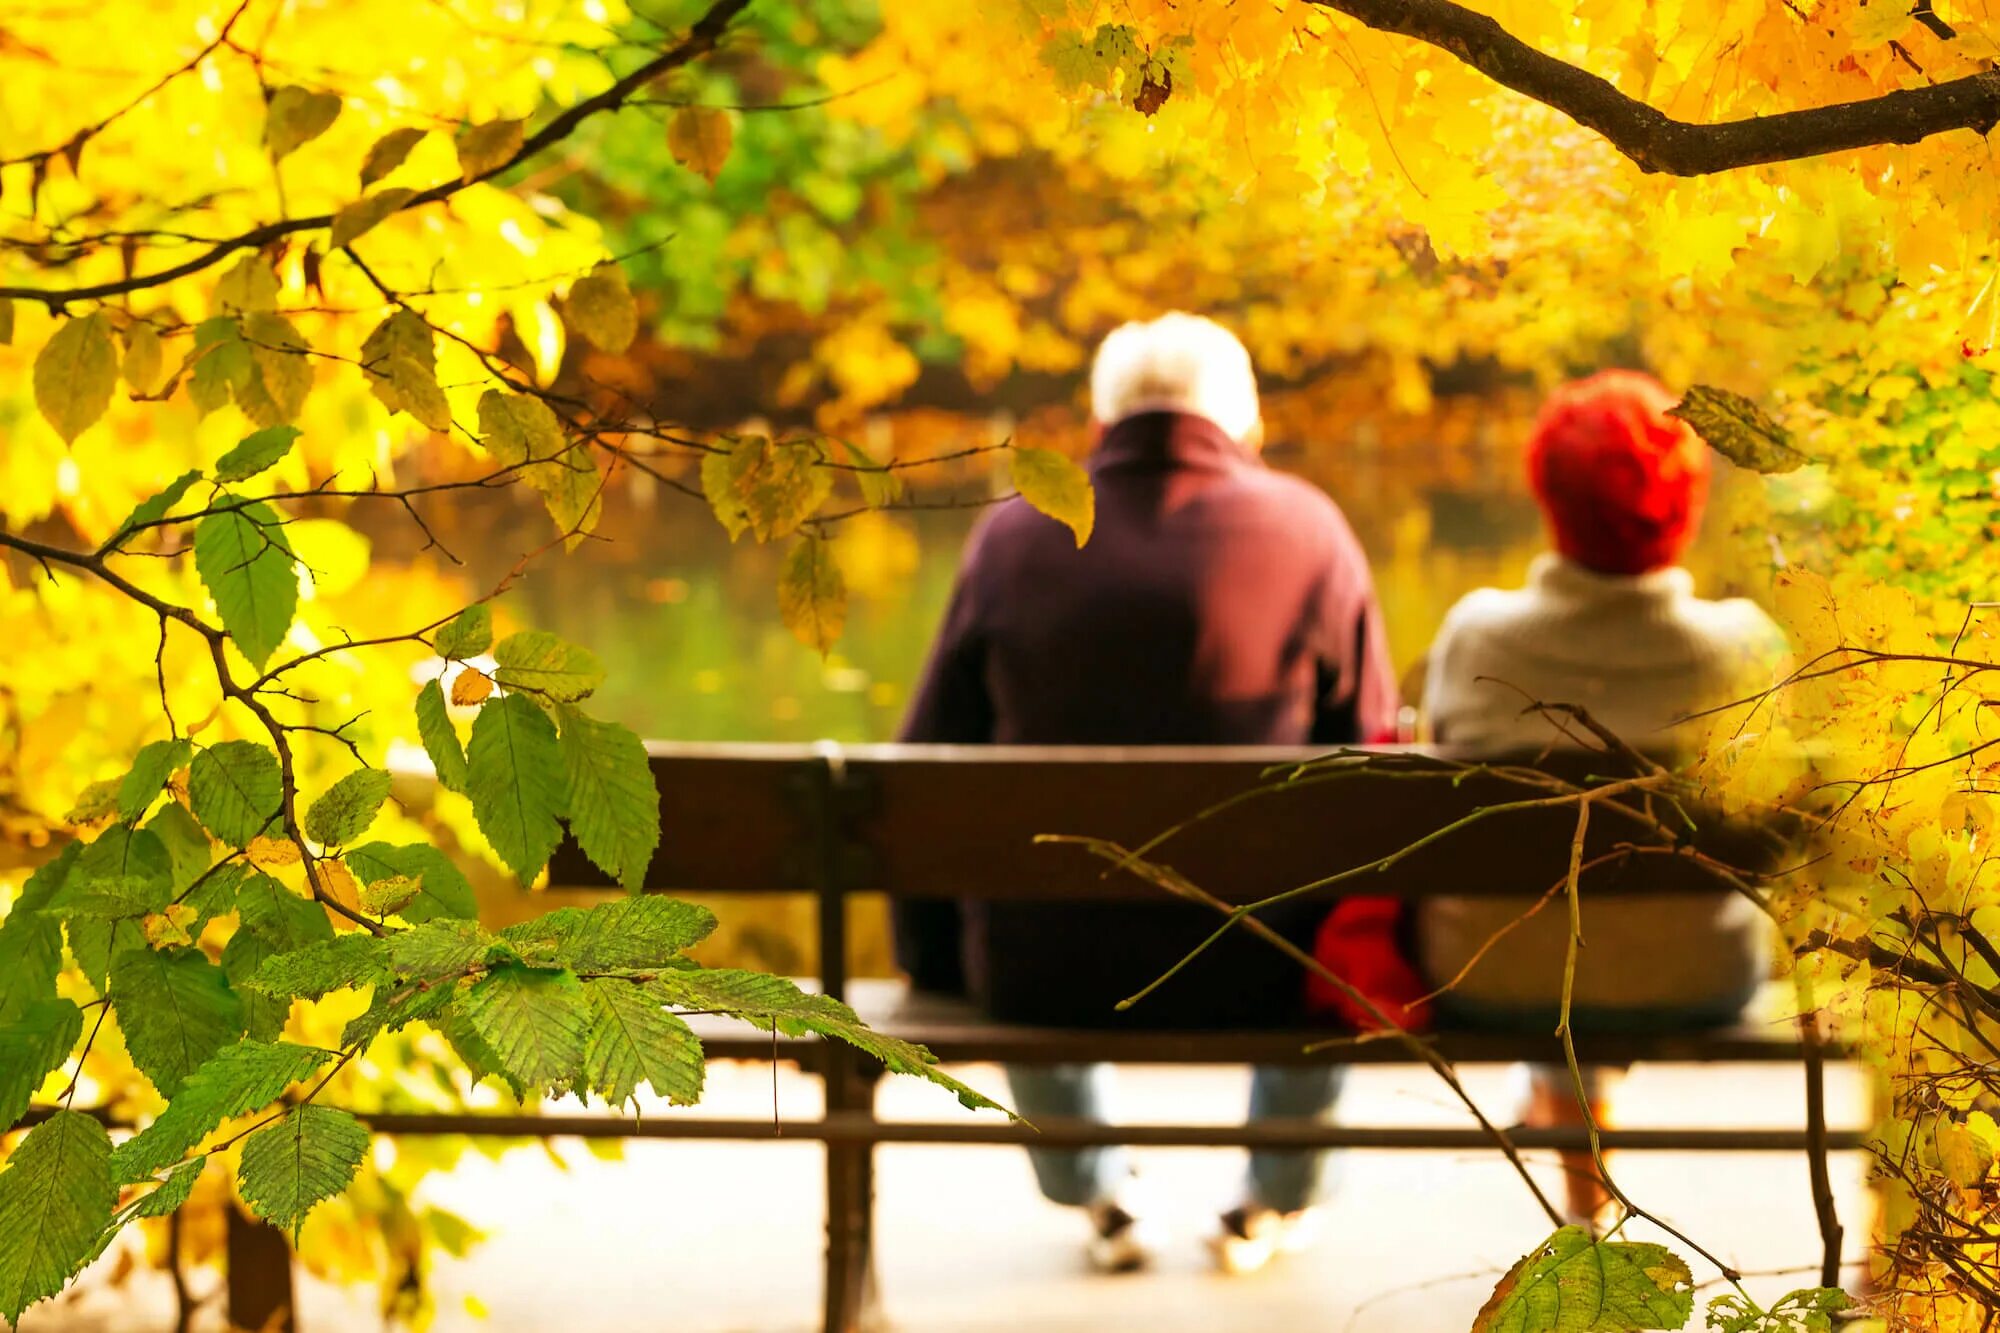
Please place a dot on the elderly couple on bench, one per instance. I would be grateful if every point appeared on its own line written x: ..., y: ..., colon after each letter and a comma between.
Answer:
x: 1220, y: 602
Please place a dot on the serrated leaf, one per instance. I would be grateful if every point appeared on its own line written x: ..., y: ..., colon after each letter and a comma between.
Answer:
x: 471, y: 686
x: 486, y: 148
x: 514, y: 777
x: 362, y: 216
x: 534, y: 1022
x: 295, y: 117
x: 392, y: 1011
x: 250, y: 284
x: 264, y: 1016
x: 287, y: 921
x: 469, y: 634
x: 1571, y: 1283
x: 126, y: 872
x: 522, y: 433
x: 388, y: 152
x: 189, y: 849
x: 33, y: 1043
x: 151, y: 767
x: 629, y: 934
x: 255, y: 452
x: 240, y: 1078
x: 440, y: 738
x: 145, y: 359
x: 631, y: 1041
x: 764, y: 488
x: 176, y: 1010
x: 388, y: 897
x: 94, y: 802
x: 276, y: 394
x: 444, y: 947
x: 700, y: 138
x: 155, y: 507
x: 56, y: 1197
x: 168, y: 927
x: 1738, y: 429
x: 547, y: 665
x: 31, y: 941
x: 613, y: 803
x: 768, y: 1001
x: 812, y: 595
x: 214, y: 894
x: 341, y: 963
x: 442, y: 888
x: 75, y: 373
x: 219, y: 367
x: 172, y: 1192
x: 246, y: 563
x: 880, y: 485
x: 600, y: 308
x: 306, y: 1158
x: 1057, y: 487
x: 235, y: 789
x: 346, y: 809
x: 401, y: 363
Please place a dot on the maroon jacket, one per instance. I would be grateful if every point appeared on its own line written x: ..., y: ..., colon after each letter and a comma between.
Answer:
x: 1217, y: 603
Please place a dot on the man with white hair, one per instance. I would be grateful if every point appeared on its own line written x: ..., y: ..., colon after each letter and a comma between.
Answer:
x: 1217, y: 603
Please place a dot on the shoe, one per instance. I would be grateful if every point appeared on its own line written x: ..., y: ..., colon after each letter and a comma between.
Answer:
x: 1251, y: 1236
x: 1120, y: 1242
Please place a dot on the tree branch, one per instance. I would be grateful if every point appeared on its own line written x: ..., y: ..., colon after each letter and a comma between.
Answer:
x: 1656, y: 141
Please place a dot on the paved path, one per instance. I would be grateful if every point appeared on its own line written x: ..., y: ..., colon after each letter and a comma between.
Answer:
x: 708, y: 1238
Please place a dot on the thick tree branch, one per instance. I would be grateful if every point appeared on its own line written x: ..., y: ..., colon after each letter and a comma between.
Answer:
x: 1656, y: 141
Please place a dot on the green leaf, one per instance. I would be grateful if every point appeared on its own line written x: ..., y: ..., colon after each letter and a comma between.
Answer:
x: 388, y: 897
x: 522, y: 433
x: 189, y: 850
x: 767, y: 1002
x: 1739, y: 430
x: 174, y: 1191
x: 75, y: 373
x: 614, y: 805
x: 154, y: 764
x: 215, y: 893
x: 387, y: 153
x: 93, y: 803
x: 341, y: 963
x: 95, y: 941
x: 154, y: 508
x: 303, y: 1160
x: 627, y: 934
x: 483, y: 149
x: 515, y: 781
x: 812, y: 595
x: 764, y: 488
x: 1058, y: 487
x: 295, y: 117
x: 469, y: 634
x: 600, y: 307
x: 255, y: 452
x: 264, y: 1016
x: 282, y: 918
x: 219, y: 367
x: 444, y: 889
x: 246, y: 564
x: 392, y: 1011
x: 1573, y: 1284
x: 31, y: 941
x: 240, y: 1078
x: 632, y: 1040
x: 235, y: 789
x: 56, y: 1197
x: 443, y: 947
x: 250, y: 284
x: 276, y: 394
x: 33, y: 1043
x: 125, y: 872
x: 440, y: 737
x: 176, y: 1010
x: 1807, y: 1310
x: 346, y: 809
x: 362, y: 216
x: 533, y: 1021
x: 541, y: 663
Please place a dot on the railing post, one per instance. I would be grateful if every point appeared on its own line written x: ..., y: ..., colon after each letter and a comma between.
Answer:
x: 258, y: 1271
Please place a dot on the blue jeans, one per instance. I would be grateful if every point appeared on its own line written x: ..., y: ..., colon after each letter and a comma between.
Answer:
x: 1284, y: 1180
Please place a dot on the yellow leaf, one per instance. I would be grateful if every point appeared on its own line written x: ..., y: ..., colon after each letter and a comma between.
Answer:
x: 522, y: 433
x: 144, y: 359
x: 700, y: 137
x: 484, y: 149
x: 248, y: 285
x: 1738, y: 429
x: 765, y: 488
x: 272, y: 853
x: 1054, y: 484
x: 295, y: 117
x: 75, y: 374
x: 340, y: 884
x: 387, y: 153
x: 880, y: 485
x: 166, y: 929
x: 277, y: 393
x: 471, y: 687
x: 360, y: 217
x: 391, y: 894
x: 812, y: 597
x: 1964, y: 1157
x: 1877, y: 24
x: 600, y: 306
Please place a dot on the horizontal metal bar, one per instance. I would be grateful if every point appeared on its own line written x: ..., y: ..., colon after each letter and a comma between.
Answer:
x: 854, y: 1127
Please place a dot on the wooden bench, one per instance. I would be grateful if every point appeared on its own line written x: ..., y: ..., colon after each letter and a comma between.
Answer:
x: 961, y: 822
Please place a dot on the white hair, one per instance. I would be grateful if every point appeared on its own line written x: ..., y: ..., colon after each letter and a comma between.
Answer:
x: 1176, y: 363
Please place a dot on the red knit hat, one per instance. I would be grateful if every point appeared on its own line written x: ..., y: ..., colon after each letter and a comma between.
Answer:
x: 1622, y: 483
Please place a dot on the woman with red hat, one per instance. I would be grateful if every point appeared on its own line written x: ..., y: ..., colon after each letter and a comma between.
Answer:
x: 1609, y: 620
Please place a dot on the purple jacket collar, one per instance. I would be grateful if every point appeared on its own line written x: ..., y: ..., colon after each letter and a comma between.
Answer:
x: 1168, y: 439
